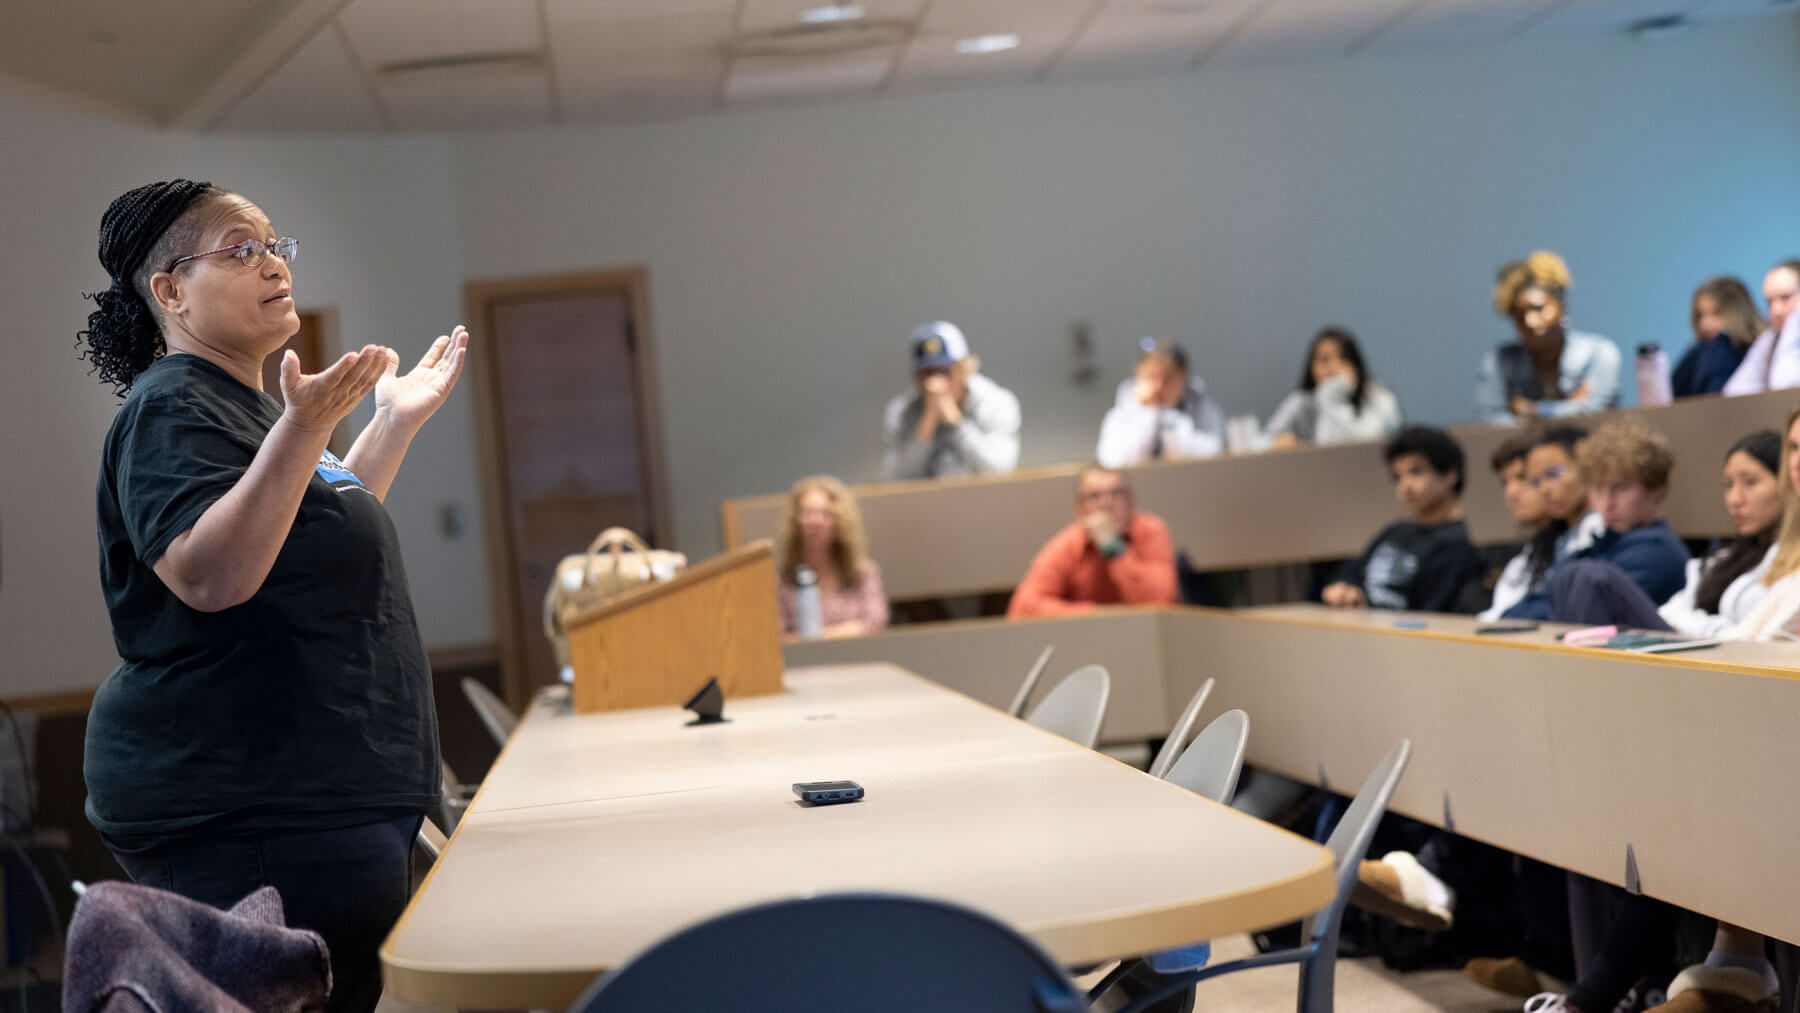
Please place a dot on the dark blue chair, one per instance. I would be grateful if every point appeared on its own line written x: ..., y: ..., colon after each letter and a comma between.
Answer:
x: 865, y: 952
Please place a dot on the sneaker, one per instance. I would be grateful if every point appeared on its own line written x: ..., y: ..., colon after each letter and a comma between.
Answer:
x: 1703, y: 989
x: 1398, y: 887
x: 1548, y: 1002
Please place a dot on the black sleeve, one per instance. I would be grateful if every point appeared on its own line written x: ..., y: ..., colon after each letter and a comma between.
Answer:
x: 174, y: 458
x: 1356, y: 570
x: 1443, y: 576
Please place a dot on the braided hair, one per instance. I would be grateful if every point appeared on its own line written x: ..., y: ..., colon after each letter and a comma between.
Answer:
x: 140, y: 233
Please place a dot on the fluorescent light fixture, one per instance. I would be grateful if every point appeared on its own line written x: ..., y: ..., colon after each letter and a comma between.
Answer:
x: 988, y: 44
x: 831, y: 14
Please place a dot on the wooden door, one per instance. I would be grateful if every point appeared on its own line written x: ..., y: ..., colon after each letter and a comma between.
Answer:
x: 571, y: 428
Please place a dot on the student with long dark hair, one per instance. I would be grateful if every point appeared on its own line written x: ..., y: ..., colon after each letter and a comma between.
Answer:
x: 1337, y: 401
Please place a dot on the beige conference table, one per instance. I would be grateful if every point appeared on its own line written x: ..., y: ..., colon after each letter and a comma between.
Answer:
x: 1569, y: 755
x: 596, y: 835
x: 937, y: 538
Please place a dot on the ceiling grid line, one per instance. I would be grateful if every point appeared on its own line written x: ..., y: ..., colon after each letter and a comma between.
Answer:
x: 1227, y: 37
x: 550, y: 81
x: 900, y: 49
x: 363, y: 75
x: 1093, y: 14
x: 729, y: 54
x: 1387, y: 25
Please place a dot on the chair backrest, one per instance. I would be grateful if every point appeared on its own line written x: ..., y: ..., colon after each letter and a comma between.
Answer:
x: 492, y: 710
x: 1023, y: 696
x: 1076, y: 706
x: 1210, y: 767
x: 1177, y: 740
x: 1349, y: 840
x: 876, y: 953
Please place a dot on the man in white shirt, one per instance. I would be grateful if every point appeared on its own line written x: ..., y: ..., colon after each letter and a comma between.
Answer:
x: 1773, y: 361
x: 955, y: 421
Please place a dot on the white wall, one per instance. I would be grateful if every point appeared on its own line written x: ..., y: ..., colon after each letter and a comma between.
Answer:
x: 379, y: 245
x: 791, y: 250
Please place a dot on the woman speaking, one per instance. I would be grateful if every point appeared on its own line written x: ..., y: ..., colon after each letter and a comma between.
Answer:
x: 271, y: 722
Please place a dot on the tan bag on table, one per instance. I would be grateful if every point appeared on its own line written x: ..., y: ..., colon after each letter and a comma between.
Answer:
x: 617, y: 561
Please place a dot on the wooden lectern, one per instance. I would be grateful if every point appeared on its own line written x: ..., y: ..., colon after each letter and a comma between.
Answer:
x: 656, y: 645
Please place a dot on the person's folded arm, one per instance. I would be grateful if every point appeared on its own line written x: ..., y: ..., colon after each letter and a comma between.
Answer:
x: 1145, y: 571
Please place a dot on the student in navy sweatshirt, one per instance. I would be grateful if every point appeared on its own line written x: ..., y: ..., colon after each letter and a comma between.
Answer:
x: 1625, y: 467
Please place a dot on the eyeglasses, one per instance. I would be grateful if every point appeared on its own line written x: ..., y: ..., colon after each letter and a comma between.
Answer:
x: 251, y: 252
x: 1551, y: 474
x: 1102, y: 495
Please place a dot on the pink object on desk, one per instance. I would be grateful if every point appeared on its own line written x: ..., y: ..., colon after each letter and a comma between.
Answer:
x: 1590, y: 635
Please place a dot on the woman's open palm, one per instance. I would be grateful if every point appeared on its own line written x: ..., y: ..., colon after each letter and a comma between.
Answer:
x: 411, y: 399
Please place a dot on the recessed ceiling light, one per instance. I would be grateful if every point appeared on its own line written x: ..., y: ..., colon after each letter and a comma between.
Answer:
x: 988, y: 44
x: 831, y: 14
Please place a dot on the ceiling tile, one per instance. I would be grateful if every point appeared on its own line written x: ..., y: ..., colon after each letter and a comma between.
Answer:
x: 317, y: 89
x: 1458, y: 23
x: 1044, y: 28
x: 762, y: 15
x: 1607, y: 15
x: 762, y: 78
x: 468, y: 97
x: 1308, y: 29
x: 400, y: 31
x: 638, y: 63
x: 1132, y: 37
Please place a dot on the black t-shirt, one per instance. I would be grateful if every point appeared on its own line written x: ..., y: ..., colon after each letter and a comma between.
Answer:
x: 1422, y: 568
x: 308, y: 706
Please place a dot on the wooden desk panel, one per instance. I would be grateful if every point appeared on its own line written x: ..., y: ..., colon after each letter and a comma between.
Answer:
x: 536, y: 895
x: 1231, y: 512
x: 1564, y: 754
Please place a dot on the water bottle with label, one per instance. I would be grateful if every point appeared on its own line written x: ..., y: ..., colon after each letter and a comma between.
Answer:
x: 809, y: 618
x: 1653, y: 376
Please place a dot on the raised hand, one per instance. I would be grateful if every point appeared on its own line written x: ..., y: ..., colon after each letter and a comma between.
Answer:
x: 318, y: 401
x: 409, y: 400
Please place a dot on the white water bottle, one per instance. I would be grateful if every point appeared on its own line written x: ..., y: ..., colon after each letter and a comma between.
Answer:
x: 808, y: 615
x: 1653, y: 375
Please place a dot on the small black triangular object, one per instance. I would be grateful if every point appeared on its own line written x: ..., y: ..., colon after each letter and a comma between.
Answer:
x: 1633, y: 885
x: 708, y: 704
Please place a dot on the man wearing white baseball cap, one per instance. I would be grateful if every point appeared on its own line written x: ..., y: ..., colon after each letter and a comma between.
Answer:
x: 957, y: 422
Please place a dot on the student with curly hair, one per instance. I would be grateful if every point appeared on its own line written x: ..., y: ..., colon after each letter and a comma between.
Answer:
x: 1725, y: 324
x: 1551, y: 371
x: 271, y: 721
x: 823, y: 531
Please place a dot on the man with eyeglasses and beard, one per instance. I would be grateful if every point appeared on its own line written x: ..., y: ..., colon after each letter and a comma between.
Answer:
x: 1114, y: 554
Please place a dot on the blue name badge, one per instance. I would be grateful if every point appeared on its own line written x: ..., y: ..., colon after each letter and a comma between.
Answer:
x: 336, y: 474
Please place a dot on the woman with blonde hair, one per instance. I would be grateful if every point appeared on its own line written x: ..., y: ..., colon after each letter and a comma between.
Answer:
x: 1550, y: 372
x: 1725, y: 323
x: 823, y: 533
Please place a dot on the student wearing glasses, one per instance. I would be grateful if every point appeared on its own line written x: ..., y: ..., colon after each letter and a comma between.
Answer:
x: 1550, y: 371
x: 271, y: 720
x: 1610, y: 495
x: 1113, y: 554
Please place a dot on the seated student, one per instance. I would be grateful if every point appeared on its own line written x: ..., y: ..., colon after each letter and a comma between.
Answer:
x: 823, y: 532
x: 1425, y: 562
x: 1337, y: 400
x: 1550, y: 372
x: 1112, y: 554
x: 1725, y: 587
x: 1162, y: 413
x: 1725, y: 324
x: 1773, y: 361
x: 1527, y: 508
x: 1625, y: 468
x: 957, y: 422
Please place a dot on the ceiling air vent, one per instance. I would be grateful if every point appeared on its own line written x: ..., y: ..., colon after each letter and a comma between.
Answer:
x: 520, y: 60
x: 828, y: 38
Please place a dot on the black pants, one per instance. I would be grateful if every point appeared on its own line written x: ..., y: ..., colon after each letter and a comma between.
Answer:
x: 349, y: 885
x: 1598, y: 593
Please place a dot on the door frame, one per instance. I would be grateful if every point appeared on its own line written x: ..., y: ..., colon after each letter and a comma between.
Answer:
x: 479, y: 299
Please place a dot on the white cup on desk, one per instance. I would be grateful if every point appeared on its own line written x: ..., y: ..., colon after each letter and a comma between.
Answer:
x: 1243, y: 435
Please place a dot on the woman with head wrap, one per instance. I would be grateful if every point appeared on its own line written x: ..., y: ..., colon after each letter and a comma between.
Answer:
x: 271, y: 721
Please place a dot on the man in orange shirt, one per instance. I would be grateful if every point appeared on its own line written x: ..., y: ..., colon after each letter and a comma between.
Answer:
x: 1111, y: 555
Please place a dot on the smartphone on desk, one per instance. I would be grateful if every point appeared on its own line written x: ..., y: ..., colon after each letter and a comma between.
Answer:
x: 1507, y: 626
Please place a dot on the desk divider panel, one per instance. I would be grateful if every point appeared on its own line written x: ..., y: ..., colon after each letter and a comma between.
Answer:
x: 1561, y: 754
x: 968, y: 535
